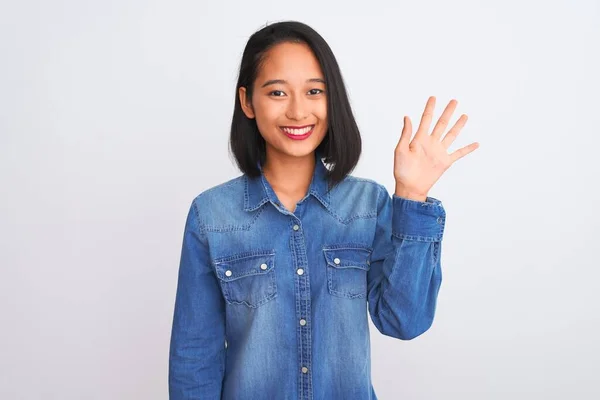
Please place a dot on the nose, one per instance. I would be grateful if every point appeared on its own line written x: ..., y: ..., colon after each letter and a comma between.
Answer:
x: 296, y: 109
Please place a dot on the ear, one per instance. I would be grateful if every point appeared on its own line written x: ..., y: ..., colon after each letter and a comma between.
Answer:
x: 246, y: 105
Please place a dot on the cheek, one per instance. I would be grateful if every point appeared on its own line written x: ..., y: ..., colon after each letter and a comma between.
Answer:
x: 266, y: 117
x: 321, y: 111
x: 267, y: 113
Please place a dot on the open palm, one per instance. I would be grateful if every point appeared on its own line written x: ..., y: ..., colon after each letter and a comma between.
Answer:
x: 419, y: 163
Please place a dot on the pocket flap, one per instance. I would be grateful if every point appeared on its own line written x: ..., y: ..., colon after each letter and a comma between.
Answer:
x: 348, y: 257
x: 242, y: 265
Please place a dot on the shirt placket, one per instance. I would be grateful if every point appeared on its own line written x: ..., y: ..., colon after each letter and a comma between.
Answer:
x: 303, y: 310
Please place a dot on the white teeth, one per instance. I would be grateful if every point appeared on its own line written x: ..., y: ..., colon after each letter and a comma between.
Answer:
x: 297, y: 131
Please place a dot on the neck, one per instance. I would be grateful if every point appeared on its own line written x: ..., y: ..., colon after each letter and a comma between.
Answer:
x: 289, y: 175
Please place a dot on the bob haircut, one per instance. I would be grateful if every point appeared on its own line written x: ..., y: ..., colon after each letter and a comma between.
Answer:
x: 341, y: 146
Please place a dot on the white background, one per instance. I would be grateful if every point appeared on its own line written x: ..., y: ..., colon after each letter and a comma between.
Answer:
x: 114, y: 115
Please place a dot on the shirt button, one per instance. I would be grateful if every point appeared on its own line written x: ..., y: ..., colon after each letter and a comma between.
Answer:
x: 304, y: 370
x: 302, y: 322
x: 300, y: 271
x: 296, y: 227
x: 440, y: 219
x: 228, y: 273
x: 336, y: 260
x: 263, y: 266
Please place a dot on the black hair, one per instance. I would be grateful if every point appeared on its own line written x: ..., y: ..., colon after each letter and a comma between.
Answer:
x: 341, y: 146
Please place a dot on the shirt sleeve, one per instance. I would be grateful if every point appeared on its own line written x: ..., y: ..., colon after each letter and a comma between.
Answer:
x: 197, y: 347
x: 405, y: 274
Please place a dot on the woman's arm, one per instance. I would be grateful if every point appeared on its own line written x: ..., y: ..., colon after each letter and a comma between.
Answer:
x: 405, y: 274
x: 197, y: 349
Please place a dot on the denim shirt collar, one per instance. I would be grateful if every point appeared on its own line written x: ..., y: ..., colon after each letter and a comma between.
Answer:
x: 258, y: 190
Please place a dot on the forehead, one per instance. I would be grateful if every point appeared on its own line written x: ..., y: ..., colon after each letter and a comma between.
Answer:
x: 290, y: 61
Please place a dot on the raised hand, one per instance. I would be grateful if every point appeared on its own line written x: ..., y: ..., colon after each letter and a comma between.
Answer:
x: 419, y: 163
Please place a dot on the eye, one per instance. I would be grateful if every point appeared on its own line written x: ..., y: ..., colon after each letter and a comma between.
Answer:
x: 313, y: 90
x: 275, y: 93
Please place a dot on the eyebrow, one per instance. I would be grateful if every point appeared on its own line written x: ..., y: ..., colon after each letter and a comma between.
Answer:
x: 281, y: 81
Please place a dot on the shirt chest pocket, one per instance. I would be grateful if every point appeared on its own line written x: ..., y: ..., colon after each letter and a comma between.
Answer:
x: 347, y: 268
x: 247, y: 278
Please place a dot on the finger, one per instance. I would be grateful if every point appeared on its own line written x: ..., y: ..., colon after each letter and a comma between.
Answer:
x: 406, y: 134
x: 453, y: 133
x: 426, y: 118
x: 460, y: 153
x: 442, y: 123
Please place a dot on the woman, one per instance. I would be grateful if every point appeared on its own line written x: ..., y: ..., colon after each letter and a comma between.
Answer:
x: 281, y: 265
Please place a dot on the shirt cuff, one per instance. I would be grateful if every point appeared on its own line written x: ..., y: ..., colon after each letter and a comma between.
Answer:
x: 418, y: 220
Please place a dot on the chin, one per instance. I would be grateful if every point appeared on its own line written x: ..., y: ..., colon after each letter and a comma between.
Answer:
x: 298, y: 150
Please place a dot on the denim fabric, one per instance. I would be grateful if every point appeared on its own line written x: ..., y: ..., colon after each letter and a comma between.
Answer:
x: 273, y: 305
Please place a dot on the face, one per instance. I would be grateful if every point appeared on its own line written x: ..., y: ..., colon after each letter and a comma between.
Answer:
x: 289, y: 101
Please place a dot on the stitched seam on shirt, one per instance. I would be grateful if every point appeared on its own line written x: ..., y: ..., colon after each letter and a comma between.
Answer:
x: 232, y: 228
x: 417, y: 238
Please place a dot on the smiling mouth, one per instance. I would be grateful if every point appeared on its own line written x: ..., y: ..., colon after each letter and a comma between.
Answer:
x: 297, y: 130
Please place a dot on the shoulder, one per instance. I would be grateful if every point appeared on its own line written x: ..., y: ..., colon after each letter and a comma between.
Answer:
x: 226, y: 187
x: 228, y: 194
x: 358, y: 196
x: 353, y: 186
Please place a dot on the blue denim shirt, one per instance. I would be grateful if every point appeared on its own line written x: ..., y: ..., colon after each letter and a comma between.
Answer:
x: 273, y: 305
